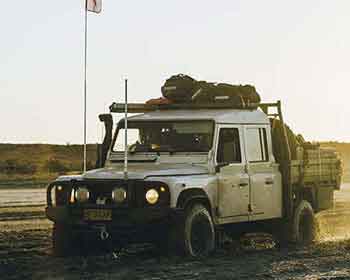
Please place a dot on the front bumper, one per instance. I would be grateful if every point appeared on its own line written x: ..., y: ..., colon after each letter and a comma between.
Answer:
x: 120, y: 216
x: 134, y: 225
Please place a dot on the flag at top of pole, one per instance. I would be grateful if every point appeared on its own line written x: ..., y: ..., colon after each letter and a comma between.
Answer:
x: 94, y: 6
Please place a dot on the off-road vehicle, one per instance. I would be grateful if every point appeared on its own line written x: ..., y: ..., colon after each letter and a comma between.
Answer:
x: 193, y: 171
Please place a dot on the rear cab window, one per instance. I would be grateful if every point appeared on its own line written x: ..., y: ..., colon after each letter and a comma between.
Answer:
x: 256, y: 144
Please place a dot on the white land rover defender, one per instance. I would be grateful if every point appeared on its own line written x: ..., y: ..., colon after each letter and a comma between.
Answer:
x: 193, y: 171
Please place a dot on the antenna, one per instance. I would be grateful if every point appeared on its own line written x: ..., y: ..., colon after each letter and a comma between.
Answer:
x: 126, y: 132
x: 85, y: 80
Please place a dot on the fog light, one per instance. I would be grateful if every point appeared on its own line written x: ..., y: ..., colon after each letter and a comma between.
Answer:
x: 152, y: 196
x: 82, y: 194
x: 118, y: 195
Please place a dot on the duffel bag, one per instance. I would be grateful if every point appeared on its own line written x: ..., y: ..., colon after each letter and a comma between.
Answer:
x: 249, y: 94
x: 179, y: 88
x: 215, y: 93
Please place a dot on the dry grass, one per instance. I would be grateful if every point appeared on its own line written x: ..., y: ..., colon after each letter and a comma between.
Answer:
x: 39, y: 154
x: 344, y: 150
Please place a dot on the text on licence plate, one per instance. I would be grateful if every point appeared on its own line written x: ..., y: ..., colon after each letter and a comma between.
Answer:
x: 97, y: 214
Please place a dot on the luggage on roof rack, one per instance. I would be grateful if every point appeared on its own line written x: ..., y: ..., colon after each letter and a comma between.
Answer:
x: 216, y: 93
x: 179, y: 88
x: 184, y: 89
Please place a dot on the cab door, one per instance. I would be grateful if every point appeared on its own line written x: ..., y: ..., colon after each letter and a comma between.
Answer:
x: 265, y: 180
x: 233, y: 187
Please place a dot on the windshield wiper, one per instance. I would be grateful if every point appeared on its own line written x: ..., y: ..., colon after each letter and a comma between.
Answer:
x: 134, y: 160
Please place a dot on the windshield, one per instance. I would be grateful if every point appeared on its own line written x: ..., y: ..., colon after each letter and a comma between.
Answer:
x: 161, y: 136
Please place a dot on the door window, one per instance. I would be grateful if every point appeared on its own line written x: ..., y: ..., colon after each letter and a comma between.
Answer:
x: 229, y: 148
x: 257, y: 145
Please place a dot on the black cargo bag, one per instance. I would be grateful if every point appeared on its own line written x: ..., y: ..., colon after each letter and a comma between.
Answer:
x: 179, y: 88
x: 249, y: 94
x: 218, y: 93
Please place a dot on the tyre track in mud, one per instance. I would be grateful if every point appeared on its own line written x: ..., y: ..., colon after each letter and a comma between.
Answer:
x: 25, y: 253
x: 29, y: 257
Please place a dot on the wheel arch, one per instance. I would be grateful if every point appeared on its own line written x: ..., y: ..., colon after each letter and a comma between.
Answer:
x: 190, y: 196
x: 304, y: 232
x: 309, y: 194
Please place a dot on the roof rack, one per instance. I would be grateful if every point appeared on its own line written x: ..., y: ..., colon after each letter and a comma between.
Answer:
x: 143, y: 108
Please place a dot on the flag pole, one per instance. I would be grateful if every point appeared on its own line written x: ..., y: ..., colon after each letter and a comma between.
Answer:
x: 85, y: 78
x: 126, y: 132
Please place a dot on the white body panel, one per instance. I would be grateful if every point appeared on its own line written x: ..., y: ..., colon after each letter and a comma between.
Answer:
x: 233, y: 185
x: 265, y: 191
x: 238, y: 192
x: 265, y: 178
x: 233, y: 199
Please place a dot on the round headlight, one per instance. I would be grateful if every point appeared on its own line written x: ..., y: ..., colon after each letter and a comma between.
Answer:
x: 58, y: 196
x: 118, y: 195
x: 152, y: 196
x: 82, y: 194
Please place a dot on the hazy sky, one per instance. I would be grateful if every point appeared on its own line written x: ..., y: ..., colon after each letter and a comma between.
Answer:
x: 296, y: 51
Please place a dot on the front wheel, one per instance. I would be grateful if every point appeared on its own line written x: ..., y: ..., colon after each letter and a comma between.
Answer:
x: 199, y: 232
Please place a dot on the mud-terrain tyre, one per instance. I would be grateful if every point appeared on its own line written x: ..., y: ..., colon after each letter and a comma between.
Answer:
x: 305, y: 226
x: 198, y: 232
x: 62, y: 240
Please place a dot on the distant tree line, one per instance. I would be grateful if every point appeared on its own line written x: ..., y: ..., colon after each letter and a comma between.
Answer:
x: 11, y: 166
x: 52, y: 165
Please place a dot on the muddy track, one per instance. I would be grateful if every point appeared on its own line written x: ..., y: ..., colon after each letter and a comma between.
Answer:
x: 25, y: 253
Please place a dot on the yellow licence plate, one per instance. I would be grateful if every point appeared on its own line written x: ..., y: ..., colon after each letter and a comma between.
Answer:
x: 97, y: 215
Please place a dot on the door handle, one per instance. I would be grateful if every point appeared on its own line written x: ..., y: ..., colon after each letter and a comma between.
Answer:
x: 269, y: 181
x: 243, y: 184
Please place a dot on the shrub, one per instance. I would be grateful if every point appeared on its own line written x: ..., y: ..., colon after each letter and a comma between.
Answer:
x: 90, y: 165
x: 54, y: 165
x: 11, y: 166
x: 26, y: 168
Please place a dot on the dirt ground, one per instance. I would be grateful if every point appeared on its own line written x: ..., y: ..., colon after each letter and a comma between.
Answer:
x: 25, y: 253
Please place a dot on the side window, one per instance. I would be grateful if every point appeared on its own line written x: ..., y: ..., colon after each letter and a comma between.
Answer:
x: 257, y: 145
x: 229, y: 148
